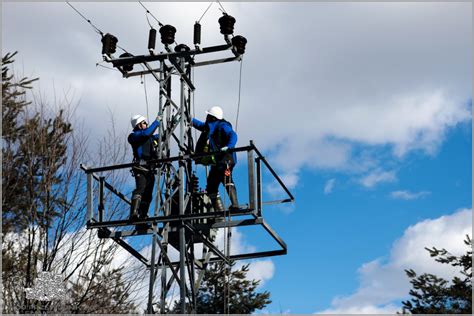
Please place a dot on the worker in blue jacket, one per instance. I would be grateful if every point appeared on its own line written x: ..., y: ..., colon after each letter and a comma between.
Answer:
x: 217, y: 135
x: 143, y: 143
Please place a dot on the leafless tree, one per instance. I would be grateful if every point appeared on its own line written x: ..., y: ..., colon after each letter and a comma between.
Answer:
x: 44, y: 205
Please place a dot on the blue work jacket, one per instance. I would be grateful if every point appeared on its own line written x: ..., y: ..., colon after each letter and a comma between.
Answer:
x: 220, y: 134
x: 142, y: 142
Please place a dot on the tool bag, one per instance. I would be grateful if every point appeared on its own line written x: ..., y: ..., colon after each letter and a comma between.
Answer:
x: 202, y: 146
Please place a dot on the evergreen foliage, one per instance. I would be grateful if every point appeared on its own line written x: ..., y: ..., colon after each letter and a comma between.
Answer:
x: 14, y: 188
x: 435, y: 295
x: 223, y: 291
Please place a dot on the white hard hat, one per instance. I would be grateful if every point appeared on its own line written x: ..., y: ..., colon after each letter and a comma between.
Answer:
x: 137, y: 119
x: 216, y: 111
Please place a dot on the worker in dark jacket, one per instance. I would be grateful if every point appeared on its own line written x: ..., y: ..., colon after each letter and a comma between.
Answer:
x: 218, y: 135
x: 143, y: 143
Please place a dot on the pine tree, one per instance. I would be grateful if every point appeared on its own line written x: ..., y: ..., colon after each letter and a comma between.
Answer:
x: 435, y: 295
x: 221, y: 284
x: 13, y: 181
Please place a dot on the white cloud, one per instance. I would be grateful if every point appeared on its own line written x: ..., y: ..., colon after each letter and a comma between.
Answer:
x: 374, y: 82
x: 367, y: 309
x: 262, y: 270
x: 378, y: 176
x: 329, y: 186
x: 384, y: 284
x: 407, y: 195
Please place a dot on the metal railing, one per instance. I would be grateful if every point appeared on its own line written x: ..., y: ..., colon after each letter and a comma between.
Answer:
x: 256, y: 161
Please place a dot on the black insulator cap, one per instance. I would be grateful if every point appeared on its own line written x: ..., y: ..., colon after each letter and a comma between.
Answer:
x: 167, y: 34
x: 182, y: 48
x: 239, y: 43
x: 152, y: 39
x: 127, y: 67
x: 227, y: 24
x: 197, y: 33
x: 109, y: 44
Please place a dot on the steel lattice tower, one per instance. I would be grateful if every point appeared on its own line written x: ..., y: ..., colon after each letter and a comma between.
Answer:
x: 182, y: 216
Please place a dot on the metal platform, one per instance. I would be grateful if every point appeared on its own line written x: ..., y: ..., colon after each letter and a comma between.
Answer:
x: 199, y: 221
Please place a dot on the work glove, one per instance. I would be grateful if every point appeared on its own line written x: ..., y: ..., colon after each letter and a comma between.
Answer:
x: 159, y: 117
x: 225, y: 148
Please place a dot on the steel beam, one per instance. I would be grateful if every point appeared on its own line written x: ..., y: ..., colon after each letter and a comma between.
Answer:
x: 161, y: 57
x: 90, y: 199
x: 251, y: 178
x: 274, y: 173
x: 217, y: 61
x: 170, y: 218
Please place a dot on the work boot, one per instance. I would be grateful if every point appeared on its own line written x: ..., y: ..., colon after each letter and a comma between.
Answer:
x: 143, y: 214
x: 143, y: 210
x: 136, y: 199
x: 218, y: 207
x: 232, y: 191
x: 217, y: 203
x: 144, y: 226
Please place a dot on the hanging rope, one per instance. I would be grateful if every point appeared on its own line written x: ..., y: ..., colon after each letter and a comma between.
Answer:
x: 227, y: 243
x: 238, y: 102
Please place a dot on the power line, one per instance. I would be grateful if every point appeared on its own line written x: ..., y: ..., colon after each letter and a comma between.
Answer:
x: 221, y: 7
x: 95, y: 28
x: 148, y: 12
x: 86, y: 19
x: 146, y: 15
x: 205, y: 12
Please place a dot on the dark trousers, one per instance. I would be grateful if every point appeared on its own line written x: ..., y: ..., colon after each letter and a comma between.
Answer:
x: 145, y: 182
x: 216, y: 177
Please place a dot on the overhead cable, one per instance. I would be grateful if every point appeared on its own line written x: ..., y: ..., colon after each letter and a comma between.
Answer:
x: 223, y: 10
x: 89, y: 21
x: 148, y: 12
x: 205, y: 12
x: 93, y: 26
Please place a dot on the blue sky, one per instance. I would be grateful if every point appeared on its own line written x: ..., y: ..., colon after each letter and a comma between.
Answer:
x: 330, y: 235
x: 367, y: 119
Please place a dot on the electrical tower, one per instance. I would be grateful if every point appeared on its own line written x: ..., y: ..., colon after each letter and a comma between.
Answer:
x: 183, y: 216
